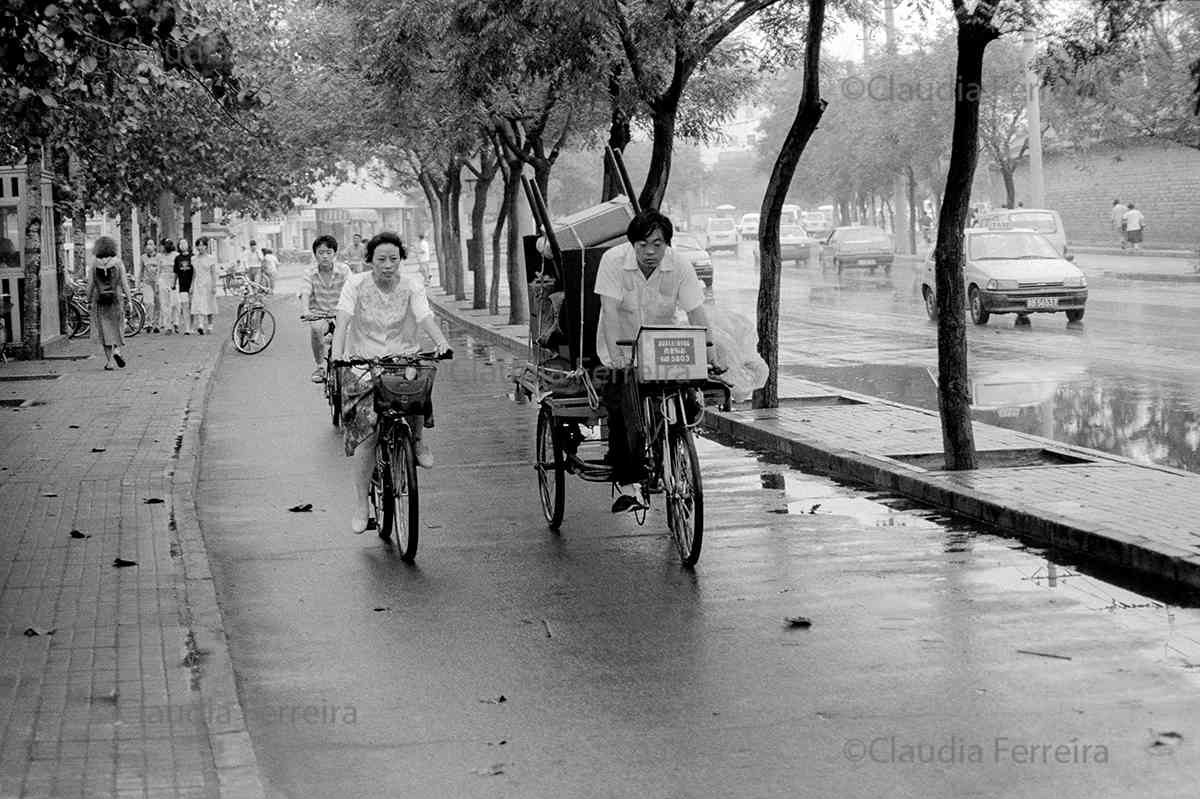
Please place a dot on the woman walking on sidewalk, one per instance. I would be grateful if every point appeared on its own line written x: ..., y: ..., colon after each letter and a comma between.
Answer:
x: 166, y: 288
x: 184, y: 274
x: 149, y: 281
x: 204, y: 287
x: 107, y: 290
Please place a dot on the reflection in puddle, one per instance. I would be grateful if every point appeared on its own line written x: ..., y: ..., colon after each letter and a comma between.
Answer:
x: 1149, y: 422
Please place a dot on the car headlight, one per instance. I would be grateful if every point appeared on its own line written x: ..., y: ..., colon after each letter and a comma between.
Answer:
x: 1077, y: 282
x: 1002, y: 285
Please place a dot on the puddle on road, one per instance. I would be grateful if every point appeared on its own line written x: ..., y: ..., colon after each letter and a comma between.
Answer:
x: 1149, y: 422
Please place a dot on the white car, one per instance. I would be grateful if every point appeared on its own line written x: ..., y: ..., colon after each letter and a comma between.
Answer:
x: 720, y: 234
x: 1012, y: 271
x: 748, y: 227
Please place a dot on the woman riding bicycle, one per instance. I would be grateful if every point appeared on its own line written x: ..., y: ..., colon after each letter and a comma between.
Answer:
x: 640, y: 283
x: 379, y: 314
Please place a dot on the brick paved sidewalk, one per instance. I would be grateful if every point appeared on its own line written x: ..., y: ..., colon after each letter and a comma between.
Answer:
x: 127, y: 689
x: 1102, y: 507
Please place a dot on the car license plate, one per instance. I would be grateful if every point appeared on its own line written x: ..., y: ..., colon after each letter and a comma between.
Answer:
x: 1042, y: 302
x: 866, y: 261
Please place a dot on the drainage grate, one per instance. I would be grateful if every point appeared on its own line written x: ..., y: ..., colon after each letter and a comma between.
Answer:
x: 7, y: 378
x: 996, y: 459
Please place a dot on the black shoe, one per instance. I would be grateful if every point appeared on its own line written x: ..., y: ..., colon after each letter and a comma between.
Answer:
x: 120, y: 361
x: 627, y: 502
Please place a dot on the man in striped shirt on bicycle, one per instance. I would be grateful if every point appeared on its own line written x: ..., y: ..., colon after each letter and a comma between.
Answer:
x: 319, y: 292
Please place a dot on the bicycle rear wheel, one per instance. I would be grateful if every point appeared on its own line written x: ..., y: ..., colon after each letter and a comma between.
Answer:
x: 78, y: 323
x: 684, y: 493
x: 253, y: 330
x: 401, y: 510
x: 551, y: 472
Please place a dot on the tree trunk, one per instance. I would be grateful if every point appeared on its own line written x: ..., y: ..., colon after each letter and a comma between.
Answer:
x: 911, y: 187
x: 954, y: 391
x: 497, y: 257
x: 60, y: 271
x: 78, y: 244
x: 659, y: 172
x: 454, y: 259
x: 126, y: 228
x: 475, y: 247
x: 619, y: 136
x: 1010, y: 187
x: 433, y: 200
x: 808, y: 115
x: 168, y: 226
x: 518, y: 301
x: 188, y: 233
x: 31, y: 308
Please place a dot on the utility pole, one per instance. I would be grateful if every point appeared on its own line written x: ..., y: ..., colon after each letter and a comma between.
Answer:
x: 1033, y: 111
x: 901, y: 223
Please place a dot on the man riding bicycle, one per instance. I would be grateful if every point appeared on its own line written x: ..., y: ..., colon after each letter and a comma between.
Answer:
x: 641, y: 282
x: 380, y: 313
x: 319, y: 293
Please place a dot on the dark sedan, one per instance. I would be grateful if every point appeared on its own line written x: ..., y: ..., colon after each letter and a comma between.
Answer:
x: 858, y: 246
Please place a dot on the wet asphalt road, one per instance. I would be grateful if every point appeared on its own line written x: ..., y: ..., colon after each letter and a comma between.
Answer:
x: 623, y: 674
x: 1125, y: 381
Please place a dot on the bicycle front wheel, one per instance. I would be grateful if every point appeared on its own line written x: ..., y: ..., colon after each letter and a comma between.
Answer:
x: 253, y: 330
x: 401, y: 513
x: 684, y: 494
x: 135, y: 319
x: 333, y: 393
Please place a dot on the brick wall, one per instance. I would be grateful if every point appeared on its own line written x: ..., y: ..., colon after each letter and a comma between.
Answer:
x: 1163, y: 180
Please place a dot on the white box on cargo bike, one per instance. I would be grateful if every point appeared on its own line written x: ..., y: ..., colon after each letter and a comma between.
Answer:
x: 671, y: 355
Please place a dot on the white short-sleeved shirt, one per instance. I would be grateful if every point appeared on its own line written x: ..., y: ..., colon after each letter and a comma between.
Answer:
x: 1133, y: 219
x: 643, y: 301
x: 382, y: 323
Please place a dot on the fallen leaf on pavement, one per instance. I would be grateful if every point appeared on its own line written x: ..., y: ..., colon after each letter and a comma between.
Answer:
x: 30, y: 632
x: 49, y: 494
x: 813, y: 509
x: 78, y: 534
x: 305, y: 508
x: 152, y: 501
x: 380, y: 610
x: 97, y: 449
x: 496, y: 701
x: 1044, y: 654
x: 490, y: 771
x: 121, y: 562
x: 798, y: 621
x: 73, y: 426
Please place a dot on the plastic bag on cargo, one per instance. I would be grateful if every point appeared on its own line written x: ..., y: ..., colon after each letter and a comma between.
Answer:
x: 734, y: 338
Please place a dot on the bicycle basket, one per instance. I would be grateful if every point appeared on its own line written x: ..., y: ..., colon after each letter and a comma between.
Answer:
x: 396, y: 391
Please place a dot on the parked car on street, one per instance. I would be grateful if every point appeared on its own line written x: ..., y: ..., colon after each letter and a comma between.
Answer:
x: 816, y: 223
x: 858, y: 246
x: 1012, y: 271
x: 720, y: 233
x: 748, y: 227
x: 1043, y: 220
x: 688, y: 245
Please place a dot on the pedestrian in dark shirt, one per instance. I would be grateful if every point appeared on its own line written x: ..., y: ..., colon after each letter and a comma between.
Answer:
x: 183, y: 284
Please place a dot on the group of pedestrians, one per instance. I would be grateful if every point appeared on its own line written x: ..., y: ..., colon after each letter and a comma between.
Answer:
x: 180, y: 286
x: 1129, y: 225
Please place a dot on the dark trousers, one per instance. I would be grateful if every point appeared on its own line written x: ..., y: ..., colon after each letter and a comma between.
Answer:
x: 624, y: 405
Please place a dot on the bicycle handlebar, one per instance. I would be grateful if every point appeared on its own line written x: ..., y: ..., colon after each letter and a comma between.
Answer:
x: 317, y: 316
x: 395, y: 360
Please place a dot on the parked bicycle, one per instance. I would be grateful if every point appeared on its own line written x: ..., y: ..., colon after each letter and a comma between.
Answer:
x: 254, y: 327
x: 79, y: 316
x: 403, y: 386
x: 333, y: 383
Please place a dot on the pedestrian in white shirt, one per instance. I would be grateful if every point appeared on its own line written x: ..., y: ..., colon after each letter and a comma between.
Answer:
x: 1135, y: 224
x: 424, y: 259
